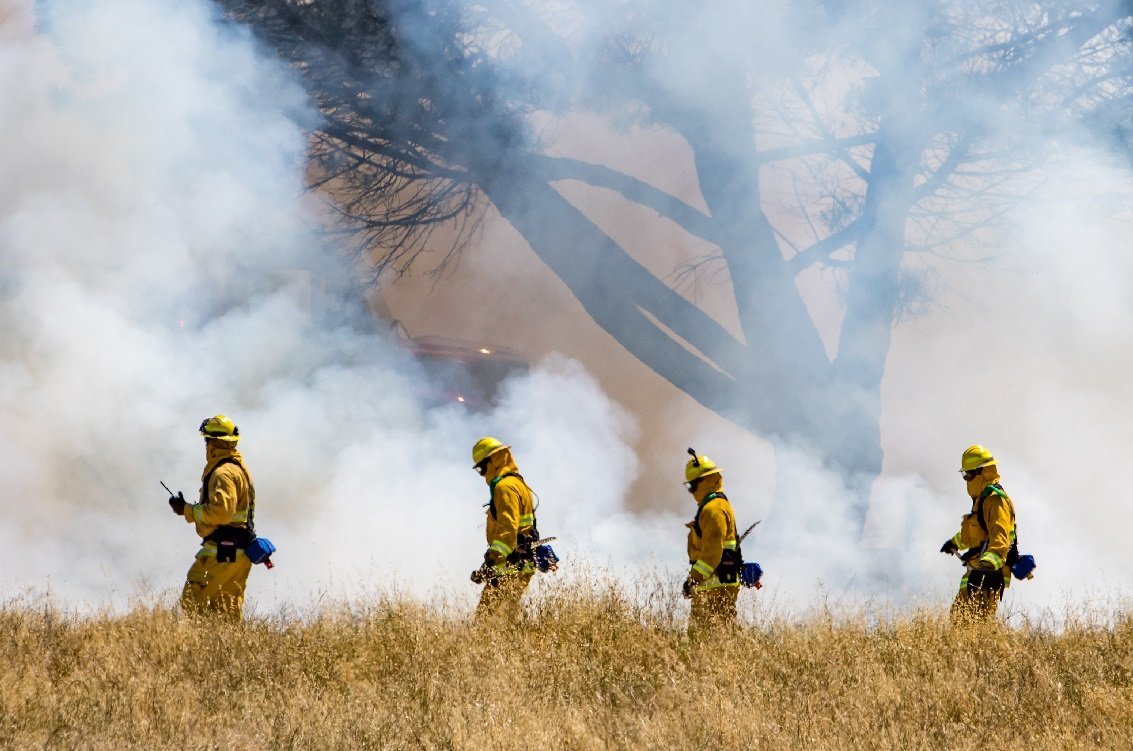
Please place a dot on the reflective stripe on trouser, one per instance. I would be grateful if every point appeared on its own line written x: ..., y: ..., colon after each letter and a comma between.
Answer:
x: 713, y: 608
x: 500, y: 570
x: 713, y: 582
x: 502, y: 600
x: 216, y: 588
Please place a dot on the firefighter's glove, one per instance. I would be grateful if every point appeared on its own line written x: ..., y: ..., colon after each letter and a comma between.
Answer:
x: 949, y: 547
x: 484, y: 574
x: 688, y: 587
x: 177, y: 503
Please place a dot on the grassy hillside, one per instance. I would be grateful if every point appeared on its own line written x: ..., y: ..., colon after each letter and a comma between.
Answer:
x: 588, y: 672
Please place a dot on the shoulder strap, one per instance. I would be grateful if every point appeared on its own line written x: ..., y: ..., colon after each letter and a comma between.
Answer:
x: 251, y: 493
x: 696, y: 519
x: 208, y: 477
x: 492, y: 489
x: 993, y: 489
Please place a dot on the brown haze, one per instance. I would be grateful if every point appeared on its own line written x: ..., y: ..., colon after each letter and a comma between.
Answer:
x: 501, y: 293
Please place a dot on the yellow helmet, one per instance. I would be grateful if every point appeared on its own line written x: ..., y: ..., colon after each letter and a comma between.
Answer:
x: 221, y: 428
x: 699, y: 466
x: 974, y: 457
x: 485, y: 447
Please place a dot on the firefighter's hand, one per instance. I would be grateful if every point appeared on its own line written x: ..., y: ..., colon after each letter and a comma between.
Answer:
x: 688, y: 587
x: 949, y: 547
x: 177, y: 503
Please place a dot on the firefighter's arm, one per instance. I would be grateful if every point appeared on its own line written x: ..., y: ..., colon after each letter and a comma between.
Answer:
x: 712, y: 527
x: 997, y: 516
x: 506, y: 526
x: 220, y: 501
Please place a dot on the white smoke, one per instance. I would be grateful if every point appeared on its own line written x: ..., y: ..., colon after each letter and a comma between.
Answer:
x: 1028, y: 355
x: 155, y: 236
x: 152, y: 215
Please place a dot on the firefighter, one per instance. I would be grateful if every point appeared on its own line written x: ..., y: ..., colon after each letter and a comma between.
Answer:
x: 223, y: 518
x: 988, y: 534
x: 509, y: 562
x: 713, y: 582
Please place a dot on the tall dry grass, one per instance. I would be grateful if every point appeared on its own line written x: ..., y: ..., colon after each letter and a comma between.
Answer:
x: 587, y: 671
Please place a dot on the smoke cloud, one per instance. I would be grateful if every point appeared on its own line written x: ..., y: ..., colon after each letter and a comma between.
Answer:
x: 158, y: 247
x: 1017, y: 342
x: 161, y: 263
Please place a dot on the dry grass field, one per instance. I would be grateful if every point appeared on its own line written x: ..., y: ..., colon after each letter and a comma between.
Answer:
x: 586, y: 671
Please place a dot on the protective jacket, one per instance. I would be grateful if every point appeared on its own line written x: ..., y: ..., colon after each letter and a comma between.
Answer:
x: 990, y: 527
x: 711, y: 533
x: 510, y: 522
x: 226, y: 494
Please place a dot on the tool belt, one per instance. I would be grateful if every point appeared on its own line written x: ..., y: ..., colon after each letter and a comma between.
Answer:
x: 986, y: 581
x: 728, y: 572
x: 523, y: 554
x: 228, y: 540
x: 973, y: 553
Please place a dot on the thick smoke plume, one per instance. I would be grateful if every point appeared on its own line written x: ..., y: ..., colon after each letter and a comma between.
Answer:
x: 159, y: 260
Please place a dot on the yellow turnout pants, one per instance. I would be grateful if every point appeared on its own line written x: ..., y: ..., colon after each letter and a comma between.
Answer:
x: 978, y: 603
x: 502, y: 601
x: 713, y: 608
x: 213, y: 588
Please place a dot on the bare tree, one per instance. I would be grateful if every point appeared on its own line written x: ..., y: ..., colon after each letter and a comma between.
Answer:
x: 886, y: 130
